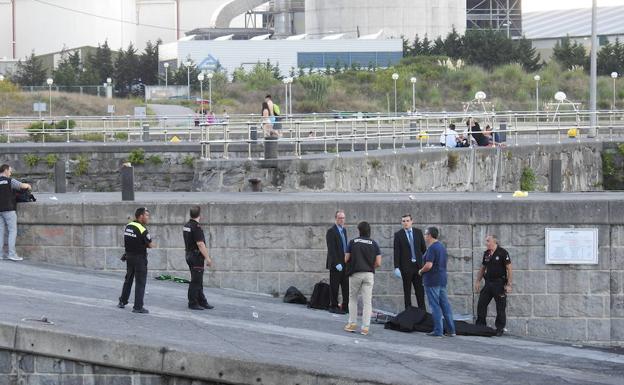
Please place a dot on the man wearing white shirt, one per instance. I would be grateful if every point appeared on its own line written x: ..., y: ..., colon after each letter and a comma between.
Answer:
x: 449, y: 137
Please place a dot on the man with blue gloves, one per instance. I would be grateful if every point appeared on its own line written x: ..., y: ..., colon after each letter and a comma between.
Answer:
x: 337, y: 242
x: 409, y: 247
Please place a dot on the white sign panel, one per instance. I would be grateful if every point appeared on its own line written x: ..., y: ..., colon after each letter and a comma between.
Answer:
x: 140, y: 112
x: 111, y: 108
x: 572, y: 246
x: 39, y: 107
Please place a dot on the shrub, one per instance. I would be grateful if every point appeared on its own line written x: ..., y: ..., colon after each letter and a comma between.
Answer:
x: 452, y: 161
x: 155, y: 160
x: 137, y: 157
x: 82, y: 165
x: 188, y: 160
x: 527, y: 180
x: 51, y: 160
x: 31, y: 160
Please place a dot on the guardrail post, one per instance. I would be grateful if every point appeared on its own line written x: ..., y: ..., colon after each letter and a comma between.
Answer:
x: 146, y: 132
x: 554, y: 176
x: 127, y: 183
x: 60, y: 177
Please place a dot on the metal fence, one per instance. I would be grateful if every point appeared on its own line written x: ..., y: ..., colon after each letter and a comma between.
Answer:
x: 326, y: 132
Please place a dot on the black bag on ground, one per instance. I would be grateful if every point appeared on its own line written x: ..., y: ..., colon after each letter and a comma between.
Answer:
x: 24, y: 196
x: 320, y: 296
x: 414, y: 319
x: 293, y: 295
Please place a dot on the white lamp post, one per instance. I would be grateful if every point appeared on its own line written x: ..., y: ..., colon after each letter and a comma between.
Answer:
x: 537, y: 80
x: 188, y: 78
x: 50, y: 81
x: 614, y: 76
x: 210, y: 75
x: 413, y: 80
x: 166, y: 65
x: 200, y: 77
x: 290, y: 96
x: 395, y: 77
x: 285, y: 81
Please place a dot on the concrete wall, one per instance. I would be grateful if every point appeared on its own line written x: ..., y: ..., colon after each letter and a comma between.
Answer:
x: 411, y: 170
x: 382, y: 171
x: 268, y: 246
x: 25, y: 368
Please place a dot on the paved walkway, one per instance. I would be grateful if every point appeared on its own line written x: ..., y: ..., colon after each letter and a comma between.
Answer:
x: 253, y: 329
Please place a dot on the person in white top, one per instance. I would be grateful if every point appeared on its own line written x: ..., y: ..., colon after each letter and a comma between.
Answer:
x: 449, y: 137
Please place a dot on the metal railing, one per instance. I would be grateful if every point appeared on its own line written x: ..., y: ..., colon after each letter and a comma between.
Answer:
x: 325, y: 131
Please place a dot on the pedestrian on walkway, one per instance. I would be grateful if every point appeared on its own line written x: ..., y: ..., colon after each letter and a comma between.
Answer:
x: 496, y: 269
x: 196, y: 258
x: 435, y: 279
x: 8, y: 211
x: 337, y: 242
x: 136, y: 242
x: 363, y: 256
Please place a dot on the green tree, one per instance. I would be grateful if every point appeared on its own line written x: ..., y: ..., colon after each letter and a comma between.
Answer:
x: 148, y: 63
x: 67, y: 73
x: 126, y: 72
x: 30, y: 72
x: 526, y: 55
x: 570, y: 54
x: 611, y: 58
x: 454, y: 45
x: 488, y: 48
x: 180, y: 76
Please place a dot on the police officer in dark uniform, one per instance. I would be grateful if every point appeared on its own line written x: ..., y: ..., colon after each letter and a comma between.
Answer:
x: 496, y: 268
x: 196, y: 258
x: 136, y: 242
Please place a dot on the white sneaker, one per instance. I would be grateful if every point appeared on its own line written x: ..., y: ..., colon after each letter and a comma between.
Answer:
x: 16, y: 258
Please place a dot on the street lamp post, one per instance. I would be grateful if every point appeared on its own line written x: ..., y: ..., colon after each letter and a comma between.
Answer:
x: 285, y: 81
x: 537, y: 80
x: 200, y: 77
x: 188, y: 79
x: 395, y: 77
x: 614, y: 76
x: 50, y: 81
x: 290, y: 96
x: 166, y: 65
x: 413, y: 80
x: 210, y: 75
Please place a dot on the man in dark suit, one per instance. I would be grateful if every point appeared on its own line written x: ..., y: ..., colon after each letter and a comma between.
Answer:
x: 337, y: 242
x: 409, y: 247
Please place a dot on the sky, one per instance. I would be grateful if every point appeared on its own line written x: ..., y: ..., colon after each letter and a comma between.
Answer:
x: 543, y: 5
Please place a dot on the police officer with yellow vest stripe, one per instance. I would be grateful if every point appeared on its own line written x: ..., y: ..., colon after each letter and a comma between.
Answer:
x: 136, y: 241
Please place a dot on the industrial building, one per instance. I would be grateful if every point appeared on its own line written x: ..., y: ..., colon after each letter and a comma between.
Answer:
x: 500, y: 15
x: 290, y: 53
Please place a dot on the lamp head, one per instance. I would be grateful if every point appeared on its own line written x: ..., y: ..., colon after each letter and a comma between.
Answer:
x: 537, y: 78
x: 50, y: 81
x: 560, y: 96
x: 413, y: 80
x: 200, y: 77
x: 395, y: 76
x: 480, y: 95
x: 614, y: 75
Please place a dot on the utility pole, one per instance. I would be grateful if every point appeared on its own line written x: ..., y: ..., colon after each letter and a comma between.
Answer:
x: 593, y: 72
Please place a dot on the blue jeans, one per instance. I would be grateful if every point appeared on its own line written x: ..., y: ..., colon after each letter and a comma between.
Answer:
x: 8, y: 220
x: 439, y: 304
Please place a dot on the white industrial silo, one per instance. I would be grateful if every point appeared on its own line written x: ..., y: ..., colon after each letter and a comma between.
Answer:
x: 396, y: 18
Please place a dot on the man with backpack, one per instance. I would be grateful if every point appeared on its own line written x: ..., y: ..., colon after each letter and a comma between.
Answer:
x: 8, y: 213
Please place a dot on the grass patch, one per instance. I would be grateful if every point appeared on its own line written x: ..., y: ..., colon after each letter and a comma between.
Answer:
x: 137, y: 157
x: 374, y: 163
x: 188, y: 160
x: 82, y: 165
x: 452, y: 161
x: 155, y: 160
x: 51, y: 160
x: 31, y: 160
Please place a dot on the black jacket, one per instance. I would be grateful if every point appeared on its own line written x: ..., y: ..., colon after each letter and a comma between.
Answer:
x: 402, y: 252
x: 335, y: 250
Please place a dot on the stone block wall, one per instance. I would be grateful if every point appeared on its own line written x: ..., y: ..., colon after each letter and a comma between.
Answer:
x: 35, y: 369
x: 267, y: 247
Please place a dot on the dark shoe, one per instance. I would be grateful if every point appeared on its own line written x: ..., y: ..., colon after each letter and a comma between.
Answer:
x: 432, y: 334
x: 141, y: 311
x: 121, y: 305
x: 500, y: 332
x: 207, y: 306
x: 336, y: 310
x: 195, y: 307
x: 345, y: 308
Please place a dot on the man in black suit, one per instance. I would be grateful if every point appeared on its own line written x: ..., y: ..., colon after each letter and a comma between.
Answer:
x: 337, y: 242
x: 409, y: 247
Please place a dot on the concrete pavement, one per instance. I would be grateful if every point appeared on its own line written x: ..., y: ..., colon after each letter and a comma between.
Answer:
x: 250, y: 338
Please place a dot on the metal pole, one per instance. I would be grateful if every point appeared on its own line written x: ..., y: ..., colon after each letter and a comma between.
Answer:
x: 290, y: 97
x: 166, y: 76
x: 593, y: 72
x: 395, y: 98
x: 613, y: 108
x: 188, y: 82
x: 210, y: 93
x: 50, y: 93
x: 201, y: 96
x: 537, y: 96
x: 413, y: 97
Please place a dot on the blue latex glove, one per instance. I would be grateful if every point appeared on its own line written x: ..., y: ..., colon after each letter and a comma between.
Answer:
x: 339, y: 267
x: 397, y: 272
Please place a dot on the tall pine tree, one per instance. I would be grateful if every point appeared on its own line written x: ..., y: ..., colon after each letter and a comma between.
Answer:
x: 30, y: 72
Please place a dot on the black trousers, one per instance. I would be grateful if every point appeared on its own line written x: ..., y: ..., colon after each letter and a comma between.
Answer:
x: 195, y: 263
x: 136, y: 270
x: 411, y: 278
x: 338, y: 279
x: 493, y: 289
